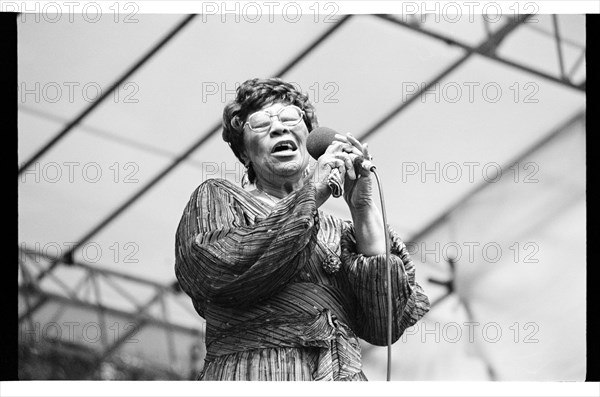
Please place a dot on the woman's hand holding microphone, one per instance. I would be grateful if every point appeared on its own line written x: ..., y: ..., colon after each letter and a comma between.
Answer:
x: 341, y: 155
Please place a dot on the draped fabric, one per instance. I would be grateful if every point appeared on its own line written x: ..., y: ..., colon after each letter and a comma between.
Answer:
x: 276, y: 305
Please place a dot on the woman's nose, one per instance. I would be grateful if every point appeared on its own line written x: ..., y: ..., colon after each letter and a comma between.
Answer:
x: 277, y: 127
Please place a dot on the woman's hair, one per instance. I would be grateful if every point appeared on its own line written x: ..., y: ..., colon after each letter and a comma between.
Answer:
x: 251, y: 96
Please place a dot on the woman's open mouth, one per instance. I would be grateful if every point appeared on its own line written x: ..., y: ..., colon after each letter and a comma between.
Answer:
x: 285, y: 147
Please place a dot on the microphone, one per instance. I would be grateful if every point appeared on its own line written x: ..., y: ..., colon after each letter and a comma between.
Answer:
x: 319, y: 140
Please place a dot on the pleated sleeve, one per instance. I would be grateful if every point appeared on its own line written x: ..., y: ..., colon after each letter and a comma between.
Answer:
x: 367, y: 278
x: 226, y: 257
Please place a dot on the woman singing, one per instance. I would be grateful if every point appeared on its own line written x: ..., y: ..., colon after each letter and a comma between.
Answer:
x: 287, y: 290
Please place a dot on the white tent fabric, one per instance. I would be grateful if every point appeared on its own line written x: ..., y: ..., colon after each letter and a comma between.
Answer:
x: 518, y: 247
x: 430, y: 155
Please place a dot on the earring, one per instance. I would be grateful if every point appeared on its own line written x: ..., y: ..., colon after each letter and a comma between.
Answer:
x: 245, y: 179
x: 306, y: 172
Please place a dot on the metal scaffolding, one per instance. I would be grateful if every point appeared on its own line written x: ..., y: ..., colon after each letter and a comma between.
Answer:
x: 113, y: 327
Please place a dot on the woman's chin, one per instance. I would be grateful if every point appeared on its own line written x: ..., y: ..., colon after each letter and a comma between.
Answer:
x: 288, y: 169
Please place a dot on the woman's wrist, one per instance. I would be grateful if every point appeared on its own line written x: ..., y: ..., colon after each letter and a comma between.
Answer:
x: 322, y: 193
x: 364, y: 210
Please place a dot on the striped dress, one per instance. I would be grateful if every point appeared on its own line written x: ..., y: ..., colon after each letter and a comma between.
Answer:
x: 283, y: 291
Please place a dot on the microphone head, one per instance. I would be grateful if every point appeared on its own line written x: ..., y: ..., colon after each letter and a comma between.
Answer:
x: 318, y: 140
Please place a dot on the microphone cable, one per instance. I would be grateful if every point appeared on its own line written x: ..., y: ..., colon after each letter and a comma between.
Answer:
x: 388, y: 275
x: 318, y: 141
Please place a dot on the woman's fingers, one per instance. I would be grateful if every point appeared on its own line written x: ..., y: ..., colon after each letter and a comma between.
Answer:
x: 339, y: 151
x: 339, y: 147
x: 366, y: 152
x: 340, y: 138
x: 349, y: 165
x: 357, y: 191
x: 344, y: 164
x: 363, y: 147
x: 355, y: 142
x: 349, y: 147
x: 360, y: 149
x: 331, y: 162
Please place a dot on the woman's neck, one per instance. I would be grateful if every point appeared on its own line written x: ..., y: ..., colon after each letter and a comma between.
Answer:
x: 278, y: 190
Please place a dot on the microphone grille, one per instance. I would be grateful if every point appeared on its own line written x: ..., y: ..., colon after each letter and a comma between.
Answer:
x: 318, y: 140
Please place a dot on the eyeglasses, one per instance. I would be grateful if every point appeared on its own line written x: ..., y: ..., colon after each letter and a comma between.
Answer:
x: 288, y: 115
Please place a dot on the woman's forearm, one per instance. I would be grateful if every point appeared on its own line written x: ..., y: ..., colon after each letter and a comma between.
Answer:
x: 368, y: 229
